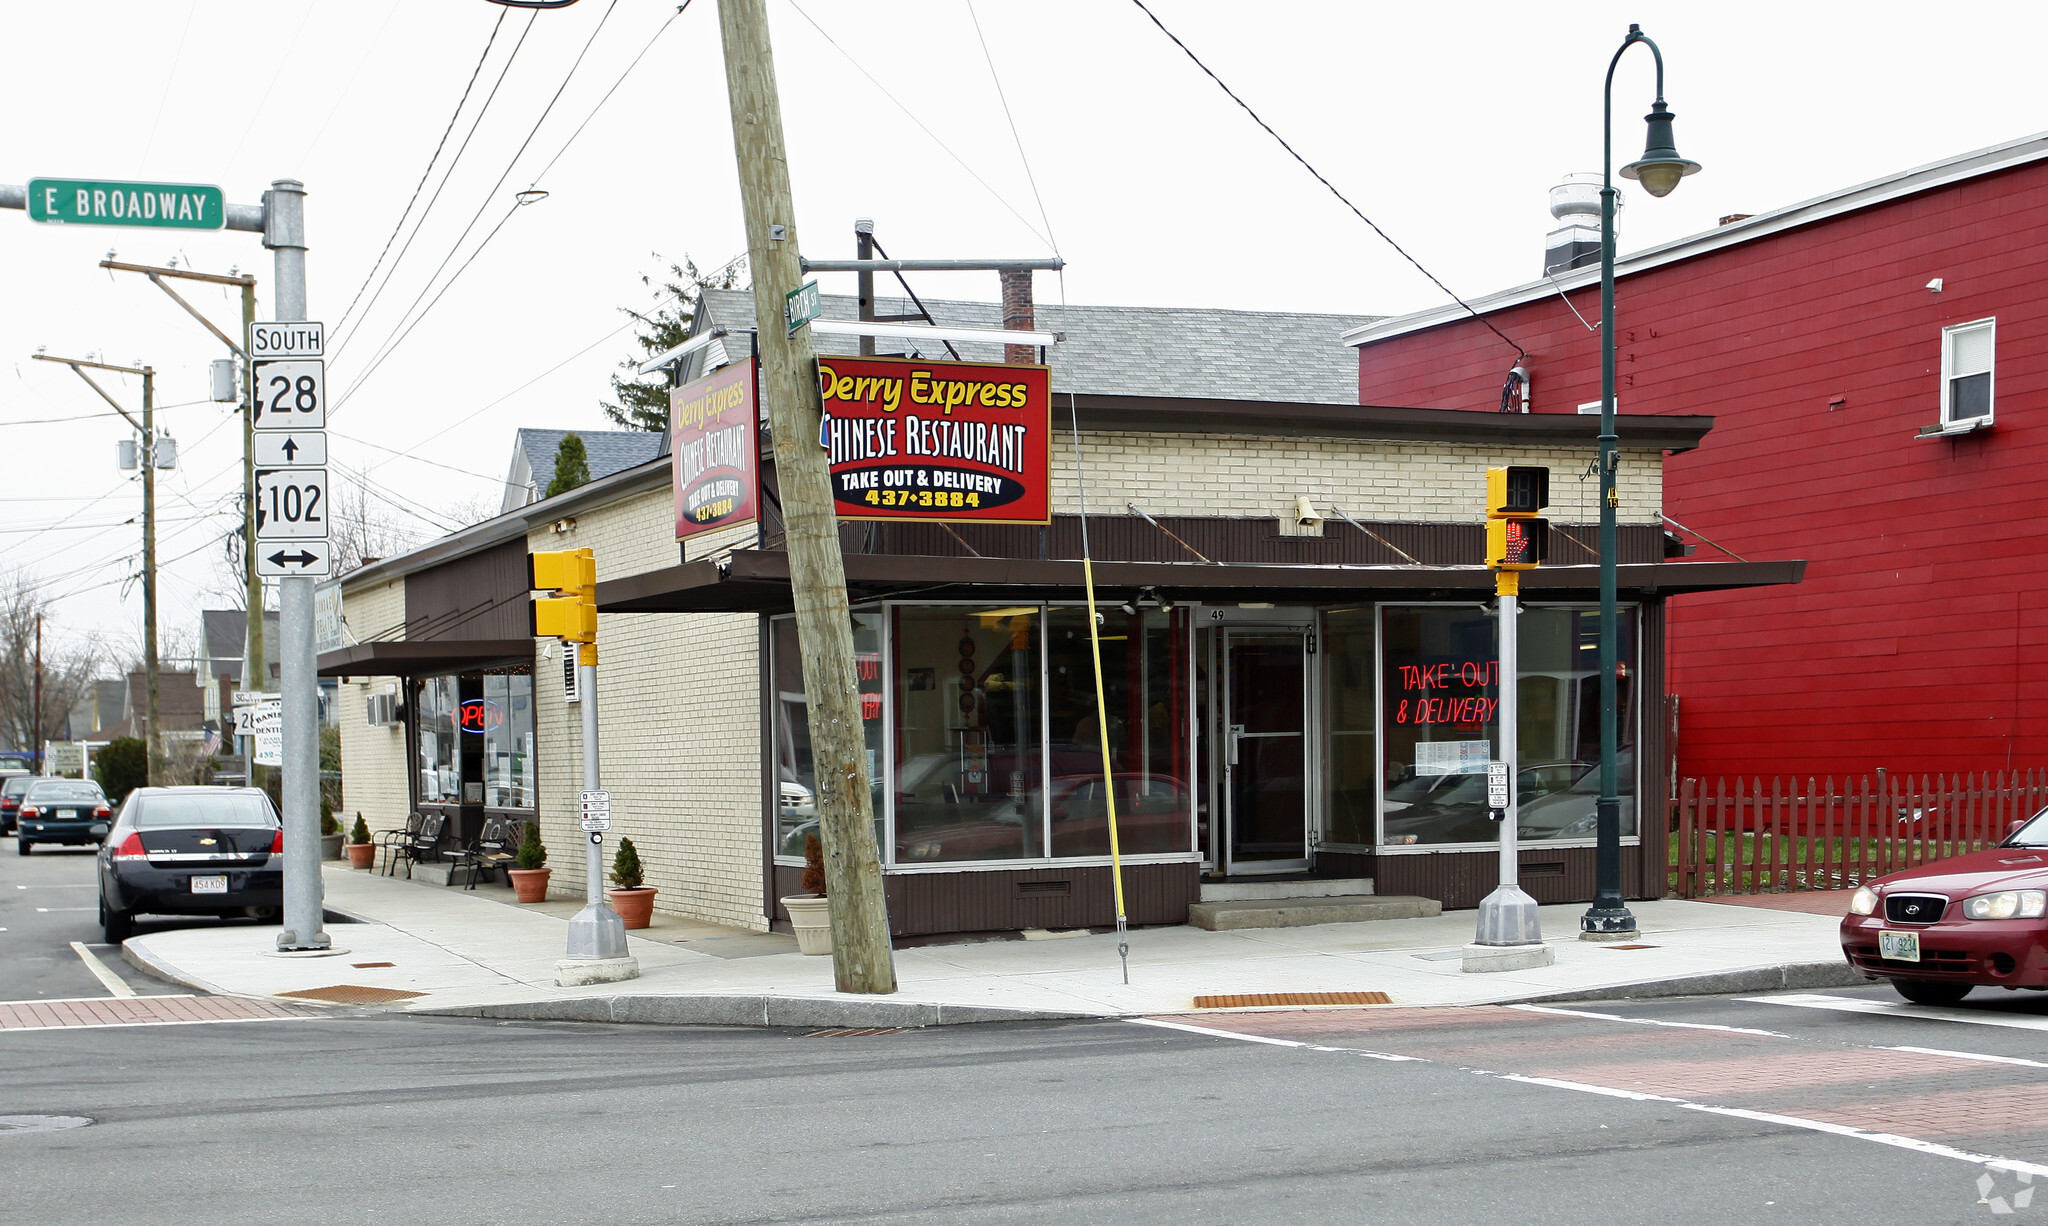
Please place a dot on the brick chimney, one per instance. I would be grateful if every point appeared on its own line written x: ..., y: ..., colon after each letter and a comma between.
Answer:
x: 1017, y: 314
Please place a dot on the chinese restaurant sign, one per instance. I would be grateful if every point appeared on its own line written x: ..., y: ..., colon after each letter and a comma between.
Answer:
x: 938, y: 440
x: 715, y: 457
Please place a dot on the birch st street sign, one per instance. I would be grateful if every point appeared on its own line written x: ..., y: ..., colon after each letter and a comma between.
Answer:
x: 106, y: 202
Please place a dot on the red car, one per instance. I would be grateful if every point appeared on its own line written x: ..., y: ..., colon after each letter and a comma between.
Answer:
x: 1975, y: 920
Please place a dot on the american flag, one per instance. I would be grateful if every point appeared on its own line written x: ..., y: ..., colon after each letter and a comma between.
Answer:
x: 212, y: 745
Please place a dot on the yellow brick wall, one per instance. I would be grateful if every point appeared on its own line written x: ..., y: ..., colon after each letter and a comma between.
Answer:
x: 373, y: 763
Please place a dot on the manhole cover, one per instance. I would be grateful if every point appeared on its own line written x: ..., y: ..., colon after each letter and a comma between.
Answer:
x: 1293, y: 998
x: 41, y: 1123
x: 353, y: 994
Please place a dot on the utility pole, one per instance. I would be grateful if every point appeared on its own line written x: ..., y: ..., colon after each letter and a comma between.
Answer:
x: 147, y: 428
x: 861, y: 958
x: 35, y: 734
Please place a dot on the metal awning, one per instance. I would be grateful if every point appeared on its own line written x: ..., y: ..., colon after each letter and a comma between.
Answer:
x: 413, y: 658
x: 757, y: 581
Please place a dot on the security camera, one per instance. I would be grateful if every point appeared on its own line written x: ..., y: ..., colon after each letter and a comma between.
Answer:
x: 1305, y: 512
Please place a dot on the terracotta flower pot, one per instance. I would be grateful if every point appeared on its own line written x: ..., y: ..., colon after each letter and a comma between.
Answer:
x: 530, y: 884
x: 360, y: 855
x: 810, y: 917
x: 635, y: 906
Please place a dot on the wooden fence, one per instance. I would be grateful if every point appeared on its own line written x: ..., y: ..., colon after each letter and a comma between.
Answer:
x: 1752, y: 836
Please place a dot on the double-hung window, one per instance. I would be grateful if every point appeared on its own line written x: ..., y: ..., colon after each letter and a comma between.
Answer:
x: 1966, y: 353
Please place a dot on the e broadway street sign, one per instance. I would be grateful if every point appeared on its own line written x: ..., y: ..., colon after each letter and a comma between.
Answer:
x: 105, y: 202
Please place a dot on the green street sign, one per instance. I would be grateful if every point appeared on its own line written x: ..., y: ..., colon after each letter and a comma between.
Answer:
x: 100, y: 202
x: 802, y: 305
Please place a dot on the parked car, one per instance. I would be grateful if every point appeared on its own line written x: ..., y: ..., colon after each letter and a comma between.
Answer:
x: 12, y: 789
x: 191, y: 851
x: 73, y: 812
x: 1970, y: 921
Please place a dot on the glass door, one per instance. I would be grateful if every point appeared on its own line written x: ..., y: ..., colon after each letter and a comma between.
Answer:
x: 1265, y: 749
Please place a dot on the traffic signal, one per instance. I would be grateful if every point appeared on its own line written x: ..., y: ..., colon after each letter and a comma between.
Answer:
x: 570, y: 613
x: 1517, y: 536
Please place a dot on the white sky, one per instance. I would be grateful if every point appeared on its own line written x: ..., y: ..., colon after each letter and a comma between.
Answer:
x: 1445, y: 123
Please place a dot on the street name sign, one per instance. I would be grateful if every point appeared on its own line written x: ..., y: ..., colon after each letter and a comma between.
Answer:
x: 291, y: 395
x: 106, y: 202
x: 802, y: 305
x: 596, y: 806
x: 291, y: 449
x: 282, y: 561
x: 253, y: 698
x: 282, y: 339
x: 291, y: 504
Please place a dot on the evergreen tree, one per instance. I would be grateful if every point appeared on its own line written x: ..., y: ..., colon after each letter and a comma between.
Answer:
x: 121, y: 766
x: 572, y: 465
x: 644, y: 406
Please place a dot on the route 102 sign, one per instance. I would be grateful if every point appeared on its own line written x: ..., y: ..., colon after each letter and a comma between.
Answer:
x: 291, y: 504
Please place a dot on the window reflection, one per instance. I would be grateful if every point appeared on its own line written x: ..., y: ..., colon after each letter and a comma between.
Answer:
x: 1144, y: 683
x: 508, y: 739
x: 796, y: 782
x: 967, y: 734
x: 439, y: 748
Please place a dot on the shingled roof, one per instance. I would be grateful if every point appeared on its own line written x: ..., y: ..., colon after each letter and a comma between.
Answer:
x: 1196, y: 352
x: 609, y: 451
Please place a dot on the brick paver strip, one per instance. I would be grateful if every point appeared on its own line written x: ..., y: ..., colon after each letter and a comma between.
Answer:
x: 143, y: 1011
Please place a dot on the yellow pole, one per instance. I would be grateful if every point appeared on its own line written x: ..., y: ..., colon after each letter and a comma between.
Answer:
x: 1116, y: 861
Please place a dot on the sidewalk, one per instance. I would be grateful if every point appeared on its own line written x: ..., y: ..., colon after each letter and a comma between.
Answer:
x: 430, y: 949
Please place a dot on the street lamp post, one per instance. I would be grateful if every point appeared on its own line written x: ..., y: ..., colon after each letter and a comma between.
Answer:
x: 1658, y: 170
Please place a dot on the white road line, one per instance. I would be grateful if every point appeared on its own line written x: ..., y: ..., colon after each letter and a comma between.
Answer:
x: 1650, y: 1021
x: 48, y: 910
x: 100, y: 971
x: 1930, y: 1148
x: 1886, y: 1008
x: 1969, y: 1055
x: 90, y: 1000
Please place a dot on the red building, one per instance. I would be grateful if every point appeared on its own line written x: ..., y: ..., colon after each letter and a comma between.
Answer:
x: 1876, y: 362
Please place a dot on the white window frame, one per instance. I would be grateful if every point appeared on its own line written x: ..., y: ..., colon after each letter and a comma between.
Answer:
x: 1948, y: 350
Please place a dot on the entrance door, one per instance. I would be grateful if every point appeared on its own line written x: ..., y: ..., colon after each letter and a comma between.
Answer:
x: 1265, y: 749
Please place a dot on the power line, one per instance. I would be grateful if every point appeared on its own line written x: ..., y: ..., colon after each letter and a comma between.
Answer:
x: 47, y: 421
x: 608, y: 93
x: 424, y: 174
x: 1030, y: 178
x: 1345, y: 200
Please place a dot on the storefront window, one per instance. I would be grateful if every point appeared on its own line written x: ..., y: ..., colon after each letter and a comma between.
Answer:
x: 440, y: 752
x: 796, y: 782
x: 968, y: 770
x: 1348, y: 748
x: 1144, y: 683
x: 508, y: 739
x: 1559, y: 724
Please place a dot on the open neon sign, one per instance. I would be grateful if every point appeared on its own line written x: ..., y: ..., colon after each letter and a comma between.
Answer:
x: 479, y: 715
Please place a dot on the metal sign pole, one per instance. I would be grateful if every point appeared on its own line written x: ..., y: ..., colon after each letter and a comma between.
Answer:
x: 1509, y: 935
x: 597, y: 936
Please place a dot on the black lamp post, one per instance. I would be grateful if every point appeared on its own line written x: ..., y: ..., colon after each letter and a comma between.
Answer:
x: 1658, y: 170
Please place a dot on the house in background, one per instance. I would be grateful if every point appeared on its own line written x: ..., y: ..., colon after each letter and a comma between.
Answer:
x: 609, y: 451
x: 1876, y: 363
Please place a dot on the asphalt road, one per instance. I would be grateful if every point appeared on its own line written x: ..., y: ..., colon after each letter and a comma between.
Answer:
x: 1629, y: 1113
x: 48, y: 899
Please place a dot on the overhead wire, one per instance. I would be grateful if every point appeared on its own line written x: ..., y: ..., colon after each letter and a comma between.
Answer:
x: 1018, y: 140
x: 1320, y: 178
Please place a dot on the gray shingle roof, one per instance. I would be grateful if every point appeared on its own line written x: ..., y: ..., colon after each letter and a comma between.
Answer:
x: 609, y: 451
x: 1198, y: 352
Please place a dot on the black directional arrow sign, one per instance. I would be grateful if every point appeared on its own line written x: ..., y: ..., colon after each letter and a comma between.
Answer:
x: 298, y: 449
x: 295, y: 558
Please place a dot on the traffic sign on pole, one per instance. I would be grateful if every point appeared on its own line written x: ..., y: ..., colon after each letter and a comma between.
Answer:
x: 106, y: 202
x: 291, y: 395
x: 291, y: 449
x: 280, y: 561
x: 287, y: 339
x: 291, y: 504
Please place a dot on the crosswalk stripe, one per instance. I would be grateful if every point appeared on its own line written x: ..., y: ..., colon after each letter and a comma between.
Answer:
x: 1887, y: 1008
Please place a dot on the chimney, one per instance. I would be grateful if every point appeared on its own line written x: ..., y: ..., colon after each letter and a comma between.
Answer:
x: 1017, y: 313
x: 1575, y: 203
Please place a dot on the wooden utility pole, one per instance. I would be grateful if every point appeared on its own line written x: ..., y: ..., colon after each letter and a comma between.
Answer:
x: 149, y: 662
x: 861, y: 960
x: 255, y: 675
x: 35, y: 735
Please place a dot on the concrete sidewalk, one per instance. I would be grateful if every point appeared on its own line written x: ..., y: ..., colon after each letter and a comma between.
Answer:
x: 431, y: 949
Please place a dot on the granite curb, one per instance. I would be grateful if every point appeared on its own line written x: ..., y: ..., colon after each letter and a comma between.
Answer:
x: 756, y: 1011
x: 1782, y: 977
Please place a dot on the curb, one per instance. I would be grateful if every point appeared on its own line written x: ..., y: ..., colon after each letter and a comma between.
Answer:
x: 1784, y: 977
x: 149, y: 964
x: 756, y: 1011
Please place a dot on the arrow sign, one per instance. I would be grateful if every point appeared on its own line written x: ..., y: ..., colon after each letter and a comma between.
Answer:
x: 299, y: 449
x: 295, y: 558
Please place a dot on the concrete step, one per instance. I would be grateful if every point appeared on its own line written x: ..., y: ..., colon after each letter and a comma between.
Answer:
x: 1300, y: 912
x: 1284, y: 887
x: 444, y: 874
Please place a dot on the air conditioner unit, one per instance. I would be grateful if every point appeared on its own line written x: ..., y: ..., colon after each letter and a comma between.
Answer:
x: 381, y: 710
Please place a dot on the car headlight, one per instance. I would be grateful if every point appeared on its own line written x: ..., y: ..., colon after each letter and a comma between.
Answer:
x: 2007, y: 904
x: 1863, y: 901
x: 925, y: 851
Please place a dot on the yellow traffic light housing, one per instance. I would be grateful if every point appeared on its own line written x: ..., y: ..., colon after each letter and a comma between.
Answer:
x: 1517, y: 537
x: 1517, y: 490
x: 1517, y: 544
x: 570, y: 613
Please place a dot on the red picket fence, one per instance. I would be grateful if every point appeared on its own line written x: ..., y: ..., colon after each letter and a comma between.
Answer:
x: 1747, y: 837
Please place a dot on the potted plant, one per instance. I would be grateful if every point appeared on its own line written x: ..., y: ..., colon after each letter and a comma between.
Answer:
x: 361, y: 851
x: 330, y: 832
x: 810, y: 916
x: 530, y: 879
x: 633, y: 900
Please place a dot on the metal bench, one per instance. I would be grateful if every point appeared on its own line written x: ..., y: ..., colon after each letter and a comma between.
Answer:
x: 496, y: 848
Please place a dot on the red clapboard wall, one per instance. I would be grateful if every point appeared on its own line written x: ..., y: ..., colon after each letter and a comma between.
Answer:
x: 1919, y: 640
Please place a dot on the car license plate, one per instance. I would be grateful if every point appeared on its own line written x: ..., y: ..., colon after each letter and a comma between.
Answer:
x: 1899, y: 946
x: 219, y: 885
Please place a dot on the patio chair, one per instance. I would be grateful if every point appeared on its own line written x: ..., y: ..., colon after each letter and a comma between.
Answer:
x: 495, y: 848
x: 425, y: 844
x: 388, y: 841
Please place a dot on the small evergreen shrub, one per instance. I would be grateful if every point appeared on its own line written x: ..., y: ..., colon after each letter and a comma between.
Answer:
x: 626, y: 872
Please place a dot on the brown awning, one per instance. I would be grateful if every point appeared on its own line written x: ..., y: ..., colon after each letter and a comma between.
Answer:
x: 758, y: 581
x: 404, y: 658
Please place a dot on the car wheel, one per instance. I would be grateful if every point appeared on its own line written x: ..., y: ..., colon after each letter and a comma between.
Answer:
x: 22, y: 846
x: 116, y: 926
x: 1931, y: 992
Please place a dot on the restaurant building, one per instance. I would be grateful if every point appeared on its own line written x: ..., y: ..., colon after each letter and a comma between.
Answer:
x: 1298, y: 645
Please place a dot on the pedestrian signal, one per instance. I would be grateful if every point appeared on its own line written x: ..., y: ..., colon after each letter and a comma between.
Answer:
x: 1520, y: 489
x: 569, y: 613
x: 1517, y: 544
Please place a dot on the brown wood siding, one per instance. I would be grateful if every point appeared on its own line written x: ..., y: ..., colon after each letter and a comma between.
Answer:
x: 1644, y: 875
x: 480, y: 596
x: 1006, y: 900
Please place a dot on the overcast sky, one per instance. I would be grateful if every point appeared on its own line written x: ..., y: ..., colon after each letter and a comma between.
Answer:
x: 1445, y: 123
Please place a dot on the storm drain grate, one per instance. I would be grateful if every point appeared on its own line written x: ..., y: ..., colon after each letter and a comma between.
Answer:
x: 1628, y: 947
x: 1293, y: 998
x: 41, y: 1123
x: 855, y: 1033
x: 364, y: 966
x: 353, y: 994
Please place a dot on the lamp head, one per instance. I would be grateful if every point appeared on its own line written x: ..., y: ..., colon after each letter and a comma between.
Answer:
x: 1660, y: 168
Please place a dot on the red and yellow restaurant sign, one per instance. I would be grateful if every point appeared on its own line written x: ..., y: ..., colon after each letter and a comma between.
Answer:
x: 715, y: 461
x: 938, y: 440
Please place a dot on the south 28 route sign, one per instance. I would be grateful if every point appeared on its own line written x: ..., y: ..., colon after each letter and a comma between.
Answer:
x: 106, y: 202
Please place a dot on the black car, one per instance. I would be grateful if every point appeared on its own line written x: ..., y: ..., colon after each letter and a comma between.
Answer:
x: 191, y: 851
x: 12, y: 788
x: 67, y: 811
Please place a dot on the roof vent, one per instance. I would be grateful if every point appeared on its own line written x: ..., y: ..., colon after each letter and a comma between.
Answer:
x: 1732, y: 218
x: 1575, y: 203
